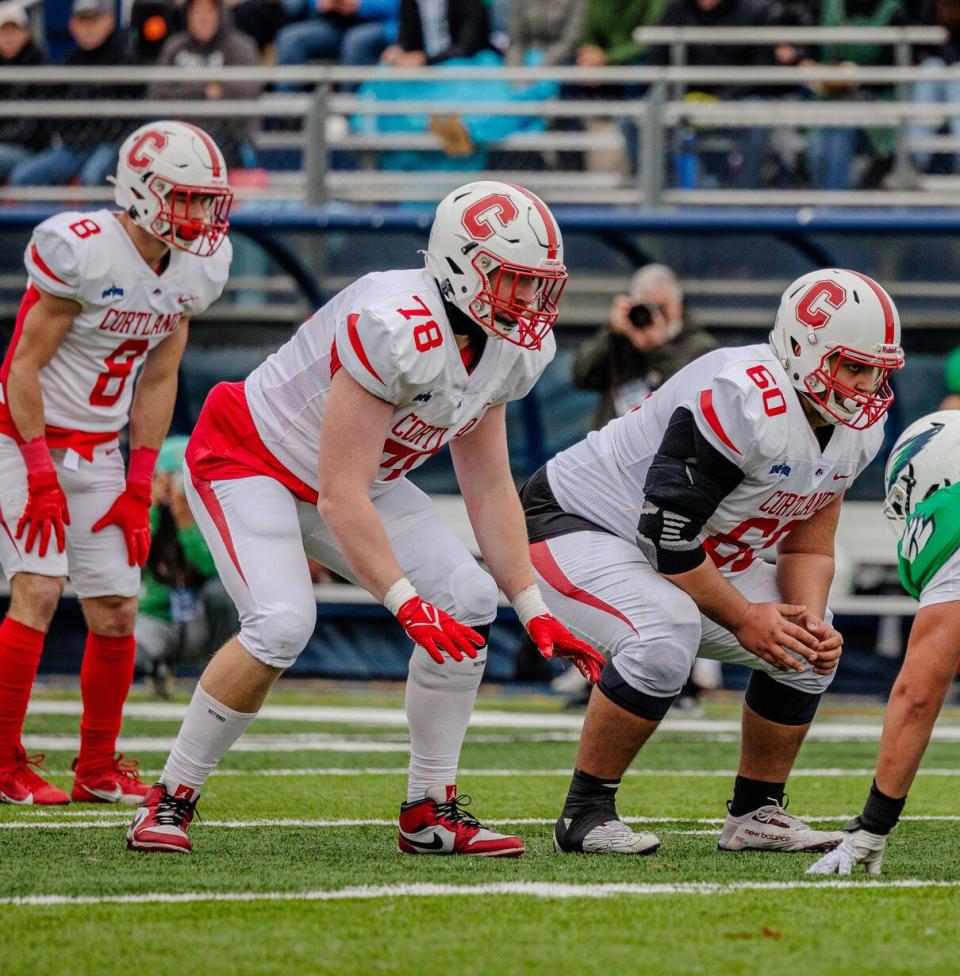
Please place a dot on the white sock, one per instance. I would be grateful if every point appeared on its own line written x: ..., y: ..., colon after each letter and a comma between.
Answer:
x: 209, y: 729
x: 439, y: 701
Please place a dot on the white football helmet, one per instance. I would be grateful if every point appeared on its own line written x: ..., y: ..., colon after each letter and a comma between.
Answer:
x: 487, y: 241
x: 925, y: 458
x: 833, y: 318
x: 172, y: 181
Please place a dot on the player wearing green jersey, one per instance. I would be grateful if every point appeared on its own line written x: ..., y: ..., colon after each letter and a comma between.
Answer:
x: 923, y: 504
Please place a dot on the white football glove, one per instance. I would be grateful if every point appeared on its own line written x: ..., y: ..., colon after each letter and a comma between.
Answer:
x: 858, y: 847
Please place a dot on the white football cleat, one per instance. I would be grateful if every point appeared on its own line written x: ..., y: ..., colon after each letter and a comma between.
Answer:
x: 771, y: 828
x: 600, y: 832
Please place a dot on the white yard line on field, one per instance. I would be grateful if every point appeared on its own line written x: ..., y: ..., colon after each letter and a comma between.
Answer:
x: 395, y: 717
x: 528, y: 889
x: 112, y: 817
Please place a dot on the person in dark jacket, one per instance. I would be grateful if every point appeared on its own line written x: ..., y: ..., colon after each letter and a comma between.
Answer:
x: 433, y: 32
x: 86, y: 146
x: 211, y: 40
x: 649, y: 338
x: 21, y: 137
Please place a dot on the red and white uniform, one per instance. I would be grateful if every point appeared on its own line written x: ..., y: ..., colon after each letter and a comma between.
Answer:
x: 257, y: 442
x: 601, y: 585
x: 126, y: 309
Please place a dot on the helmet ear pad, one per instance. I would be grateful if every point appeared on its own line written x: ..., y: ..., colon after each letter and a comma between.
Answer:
x: 497, y: 254
x: 172, y: 181
x: 831, y: 325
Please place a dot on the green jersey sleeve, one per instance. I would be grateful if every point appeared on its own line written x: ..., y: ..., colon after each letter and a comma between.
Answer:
x: 931, y: 537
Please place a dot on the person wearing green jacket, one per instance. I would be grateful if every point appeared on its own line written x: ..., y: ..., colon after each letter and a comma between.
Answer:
x: 183, y: 612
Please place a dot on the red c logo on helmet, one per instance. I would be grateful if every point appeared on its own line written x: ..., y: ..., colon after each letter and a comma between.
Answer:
x: 134, y: 157
x: 477, y: 219
x: 810, y: 308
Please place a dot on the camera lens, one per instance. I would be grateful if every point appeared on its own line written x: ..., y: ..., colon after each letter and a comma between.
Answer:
x: 640, y: 316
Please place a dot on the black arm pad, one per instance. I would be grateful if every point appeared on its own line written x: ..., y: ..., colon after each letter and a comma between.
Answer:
x: 686, y: 482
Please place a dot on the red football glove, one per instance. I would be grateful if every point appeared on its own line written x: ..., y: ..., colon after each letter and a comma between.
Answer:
x: 45, y: 511
x: 131, y: 514
x: 553, y: 639
x: 436, y: 631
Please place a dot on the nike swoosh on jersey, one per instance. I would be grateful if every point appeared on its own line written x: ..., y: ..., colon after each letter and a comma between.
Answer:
x: 840, y: 477
x: 435, y: 845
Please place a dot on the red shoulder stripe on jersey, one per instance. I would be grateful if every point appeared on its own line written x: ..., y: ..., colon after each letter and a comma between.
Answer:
x: 212, y: 504
x: 710, y: 415
x: 335, y: 363
x: 889, y: 333
x: 211, y: 147
x: 553, y: 238
x: 547, y: 567
x: 358, y: 346
x: 42, y: 265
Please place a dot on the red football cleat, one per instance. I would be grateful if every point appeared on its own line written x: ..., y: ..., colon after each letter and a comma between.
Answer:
x: 119, y: 783
x: 161, y: 821
x: 20, y: 784
x: 437, y: 825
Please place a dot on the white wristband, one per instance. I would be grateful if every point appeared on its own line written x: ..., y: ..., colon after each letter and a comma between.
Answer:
x: 398, y: 594
x: 529, y: 604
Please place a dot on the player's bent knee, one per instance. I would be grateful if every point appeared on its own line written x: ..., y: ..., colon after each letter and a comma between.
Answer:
x: 781, y: 703
x: 451, y: 675
x: 615, y: 687
x: 279, y: 635
x: 474, y: 594
x: 35, y: 597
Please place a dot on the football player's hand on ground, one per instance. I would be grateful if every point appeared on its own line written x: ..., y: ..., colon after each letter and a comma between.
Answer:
x: 554, y: 640
x: 858, y: 847
x: 830, y: 642
x: 437, y: 632
x: 131, y: 514
x: 768, y: 631
x: 44, y: 513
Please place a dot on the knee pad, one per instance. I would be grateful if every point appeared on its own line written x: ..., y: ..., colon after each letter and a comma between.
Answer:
x: 474, y: 594
x: 781, y: 703
x: 278, y: 635
x: 615, y: 687
x: 452, y: 675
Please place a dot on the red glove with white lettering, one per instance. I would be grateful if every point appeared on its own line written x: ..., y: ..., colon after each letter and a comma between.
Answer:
x: 131, y: 511
x: 428, y: 626
x: 552, y: 638
x: 45, y: 510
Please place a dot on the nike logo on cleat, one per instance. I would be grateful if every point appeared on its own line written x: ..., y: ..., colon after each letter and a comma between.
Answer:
x: 110, y: 796
x: 435, y: 844
x: 25, y: 802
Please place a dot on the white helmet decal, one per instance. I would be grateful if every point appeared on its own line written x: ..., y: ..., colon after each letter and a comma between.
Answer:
x: 497, y: 254
x: 163, y: 169
x: 925, y: 458
x: 833, y: 318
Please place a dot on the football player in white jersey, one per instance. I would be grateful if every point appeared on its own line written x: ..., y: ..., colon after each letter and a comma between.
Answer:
x: 923, y: 507
x: 645, y: 538
x: 308, y: 457
x: 109, y: 297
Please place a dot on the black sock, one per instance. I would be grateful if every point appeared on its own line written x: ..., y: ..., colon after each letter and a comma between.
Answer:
x: 590, y: 793
x: 751, y: 794
x: 881, y: 812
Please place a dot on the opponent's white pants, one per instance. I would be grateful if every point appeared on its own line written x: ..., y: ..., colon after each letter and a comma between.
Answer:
x: 607, y: 593
x: 96, y: 562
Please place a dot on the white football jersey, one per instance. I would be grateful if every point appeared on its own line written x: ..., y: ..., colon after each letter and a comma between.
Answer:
x: 743, y: 404
x: 390, y: 332
x: 126, y: 309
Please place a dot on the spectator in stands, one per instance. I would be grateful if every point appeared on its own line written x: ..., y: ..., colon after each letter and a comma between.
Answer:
x: 742, y: 166
x: 20, y: 137
x: 211, y: 40
x: 544, y: 32
x: 832, y: 150
x: 608, y: 31
x: 951, y: 377
x: 183, y: 611
x: 430, y: 34
x: 86, y: 146
x: 261, y: 19
x: 351, y: 32
x: 151, y: 23
x: 945, y: 13
x: 648, y: 338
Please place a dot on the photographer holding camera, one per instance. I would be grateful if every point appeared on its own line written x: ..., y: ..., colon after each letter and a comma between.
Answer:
x: 647, y: 340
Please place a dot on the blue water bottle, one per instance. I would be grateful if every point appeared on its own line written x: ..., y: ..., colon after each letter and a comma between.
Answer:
x: 686, y: 162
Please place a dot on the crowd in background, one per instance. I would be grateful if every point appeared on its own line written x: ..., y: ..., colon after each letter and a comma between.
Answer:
x: 413, y: 33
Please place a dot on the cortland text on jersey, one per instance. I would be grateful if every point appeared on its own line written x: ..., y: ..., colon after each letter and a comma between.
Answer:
x: 135, y: 323
x: 413, y: 441
x: 788, y: 503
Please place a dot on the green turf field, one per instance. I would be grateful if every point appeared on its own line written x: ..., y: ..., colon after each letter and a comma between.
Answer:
x: 295, y: 869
